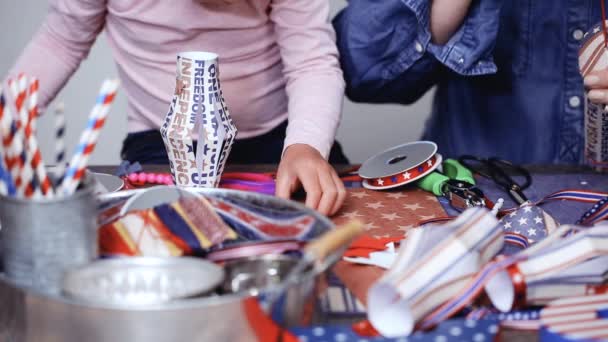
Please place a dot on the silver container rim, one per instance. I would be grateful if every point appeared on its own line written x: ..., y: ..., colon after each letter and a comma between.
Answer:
x: 86, y: 189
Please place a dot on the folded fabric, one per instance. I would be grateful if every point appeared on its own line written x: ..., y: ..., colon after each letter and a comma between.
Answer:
x: 433, y: 265
x: 189, y: 226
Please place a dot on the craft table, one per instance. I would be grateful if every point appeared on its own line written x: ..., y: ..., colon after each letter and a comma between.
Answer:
x: 546, y: 180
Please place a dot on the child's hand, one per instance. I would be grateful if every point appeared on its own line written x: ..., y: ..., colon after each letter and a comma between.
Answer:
x: 303, y: 165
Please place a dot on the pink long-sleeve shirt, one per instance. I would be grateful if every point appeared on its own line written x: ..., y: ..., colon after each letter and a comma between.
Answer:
x: 278, y: 58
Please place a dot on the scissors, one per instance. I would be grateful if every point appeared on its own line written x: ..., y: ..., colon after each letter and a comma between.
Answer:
x: 500, y: 172
x: 457, y: 184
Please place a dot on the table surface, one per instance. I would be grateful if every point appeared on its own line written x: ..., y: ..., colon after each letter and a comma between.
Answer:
x: 542, y: 177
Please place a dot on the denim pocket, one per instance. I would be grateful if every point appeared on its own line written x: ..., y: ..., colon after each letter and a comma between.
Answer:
x: 514, y: 43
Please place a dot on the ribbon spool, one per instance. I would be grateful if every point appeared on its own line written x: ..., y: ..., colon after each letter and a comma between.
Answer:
x: 400, y: 165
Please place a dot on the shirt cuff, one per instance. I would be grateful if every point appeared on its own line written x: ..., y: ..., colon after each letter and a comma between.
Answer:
x: 469, y: 51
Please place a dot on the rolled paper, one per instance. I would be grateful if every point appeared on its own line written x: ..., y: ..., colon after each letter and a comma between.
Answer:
x: 433, y: 265
x: 565, y: 264
x: 198, y: 106
x: 593, y: 56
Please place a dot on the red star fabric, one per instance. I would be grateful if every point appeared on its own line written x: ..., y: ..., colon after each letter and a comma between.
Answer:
x: 385, y: 214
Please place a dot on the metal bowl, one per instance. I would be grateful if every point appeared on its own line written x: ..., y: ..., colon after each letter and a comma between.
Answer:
x: 254, y: 274
x: 260, y: 275
x: 143, y: 280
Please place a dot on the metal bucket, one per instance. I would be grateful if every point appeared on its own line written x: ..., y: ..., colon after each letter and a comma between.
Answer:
x: 40, y: 239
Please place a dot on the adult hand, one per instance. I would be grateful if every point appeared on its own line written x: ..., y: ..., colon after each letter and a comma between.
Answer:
x: 597, y: 83
x: 302, y: 165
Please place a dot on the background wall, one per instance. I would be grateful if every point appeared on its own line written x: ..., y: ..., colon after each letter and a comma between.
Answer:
x: 365, y: 129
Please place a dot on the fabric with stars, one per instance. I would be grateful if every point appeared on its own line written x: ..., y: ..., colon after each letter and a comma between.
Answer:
x: 524, y: 227
x: 458, y: 330
x: 385, y: 214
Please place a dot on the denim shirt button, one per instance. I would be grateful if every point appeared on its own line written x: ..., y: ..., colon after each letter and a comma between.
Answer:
x: 461, y: 60
x: 418, y: 47
x: 578, y: 34
x: 575, y: 101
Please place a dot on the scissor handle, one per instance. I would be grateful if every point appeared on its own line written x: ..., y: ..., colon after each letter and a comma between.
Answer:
x: 495, y: 169
x: 500, y: 165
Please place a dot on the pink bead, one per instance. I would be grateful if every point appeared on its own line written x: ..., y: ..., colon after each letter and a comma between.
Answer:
x: 151, y: 178
x: 168, y: 180
x: 142, y: 177
x: 132, y: 177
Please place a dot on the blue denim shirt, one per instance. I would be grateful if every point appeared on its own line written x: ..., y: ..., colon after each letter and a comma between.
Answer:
x: 508, y: 81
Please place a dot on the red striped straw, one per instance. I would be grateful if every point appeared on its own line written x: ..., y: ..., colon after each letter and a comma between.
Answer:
x: 34, y: 156
x: 89, y: 137
x: 32, y: 108
x: 28, y: 178
x: 13, y: 147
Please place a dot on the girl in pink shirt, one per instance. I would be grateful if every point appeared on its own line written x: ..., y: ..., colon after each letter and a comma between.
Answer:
x: 278, y: 63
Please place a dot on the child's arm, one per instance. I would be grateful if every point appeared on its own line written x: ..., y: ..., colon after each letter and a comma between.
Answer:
x: 315, y: 88
x: 62, y: 42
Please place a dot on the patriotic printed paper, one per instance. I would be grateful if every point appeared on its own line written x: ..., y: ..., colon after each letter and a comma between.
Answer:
x: 385, y: 214
x: 593, y: 57
x: 198, y: 106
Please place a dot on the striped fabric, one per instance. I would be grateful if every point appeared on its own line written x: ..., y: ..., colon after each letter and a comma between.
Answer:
x: 582, y: 318
x: 186, y: 227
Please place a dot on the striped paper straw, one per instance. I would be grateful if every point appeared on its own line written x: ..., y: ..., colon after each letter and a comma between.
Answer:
x: 89, y: 137
x: 33, y: 102
x: 60, y: 137
x: 12, y: 140
x: 34, y: 155
x: 7, y: 187
x: 28, y: 175
x: 20, y: 98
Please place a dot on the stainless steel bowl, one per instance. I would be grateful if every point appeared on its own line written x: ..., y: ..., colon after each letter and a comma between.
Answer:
x: 260, y: 275
x: 143, y: 280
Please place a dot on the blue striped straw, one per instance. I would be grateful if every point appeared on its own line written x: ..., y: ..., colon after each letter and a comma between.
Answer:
x: 7, y: 186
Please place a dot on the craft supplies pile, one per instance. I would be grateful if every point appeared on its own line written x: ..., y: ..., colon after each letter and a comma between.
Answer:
x: 120, y: 260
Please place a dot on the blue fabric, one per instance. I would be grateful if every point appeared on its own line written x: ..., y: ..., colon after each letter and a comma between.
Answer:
x: 450, y: 330
x: 565, y: 212
x: 504, y: 80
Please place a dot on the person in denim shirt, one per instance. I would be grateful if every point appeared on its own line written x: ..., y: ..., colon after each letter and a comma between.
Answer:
x: 507, y: 74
